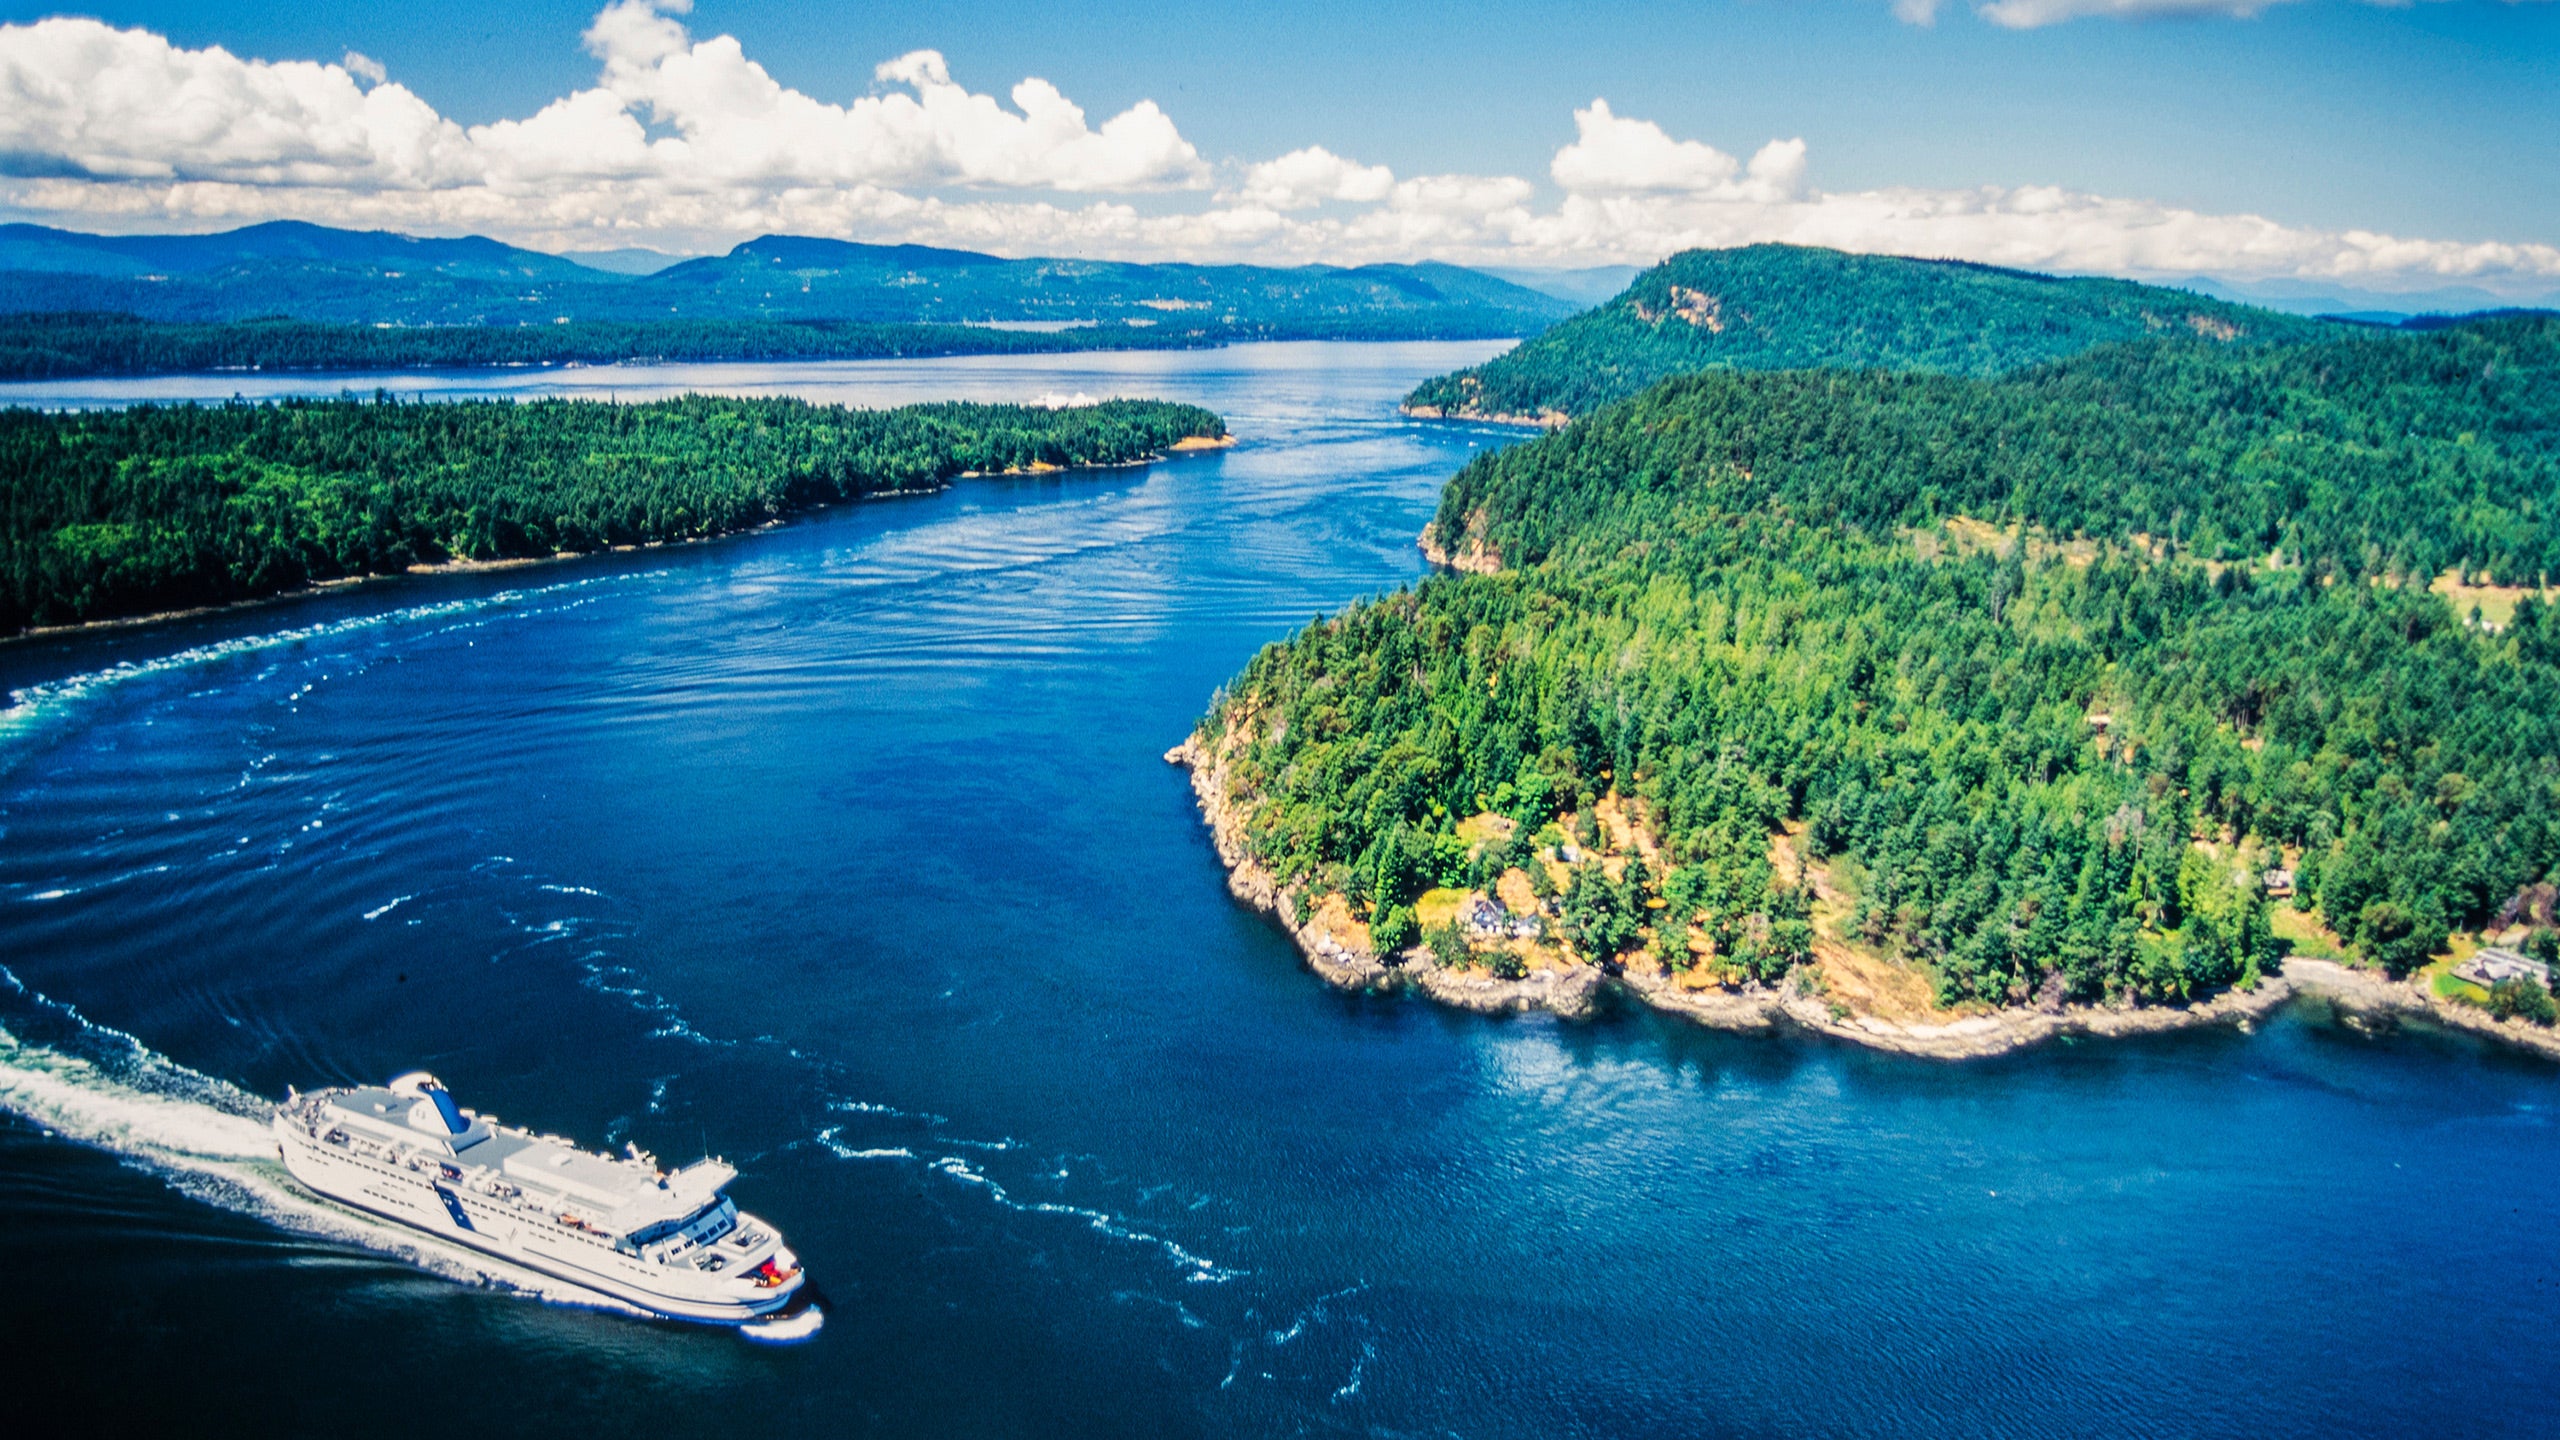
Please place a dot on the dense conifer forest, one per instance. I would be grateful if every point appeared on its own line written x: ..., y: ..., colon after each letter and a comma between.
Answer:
x: 1777, y: 307
x: 62, y: 345
x: 2044, y: 670
x: 121, y: 512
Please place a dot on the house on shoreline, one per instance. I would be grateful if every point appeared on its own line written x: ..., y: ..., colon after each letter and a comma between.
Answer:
x: 2491, y: 964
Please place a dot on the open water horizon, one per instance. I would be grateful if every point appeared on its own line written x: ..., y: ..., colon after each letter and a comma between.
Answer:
x: 845, y: 850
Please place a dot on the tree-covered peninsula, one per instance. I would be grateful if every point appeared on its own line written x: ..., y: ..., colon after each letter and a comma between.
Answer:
x: 2079, y: 683
x: 122, y: 512
x: 1779, y: 307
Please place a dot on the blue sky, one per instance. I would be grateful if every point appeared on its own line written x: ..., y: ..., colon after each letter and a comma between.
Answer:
x: 2434, y: 121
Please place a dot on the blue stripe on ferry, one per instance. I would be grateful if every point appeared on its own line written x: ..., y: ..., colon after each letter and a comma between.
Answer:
x: 453, y: 1205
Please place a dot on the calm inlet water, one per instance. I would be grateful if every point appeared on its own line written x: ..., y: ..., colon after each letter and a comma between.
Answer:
x: 844, y: 850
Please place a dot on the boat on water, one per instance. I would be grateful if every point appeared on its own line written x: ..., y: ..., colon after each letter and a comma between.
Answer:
x: 672, y: 1243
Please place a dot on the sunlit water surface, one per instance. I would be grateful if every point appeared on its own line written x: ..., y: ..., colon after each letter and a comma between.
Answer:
x: 845, y: 850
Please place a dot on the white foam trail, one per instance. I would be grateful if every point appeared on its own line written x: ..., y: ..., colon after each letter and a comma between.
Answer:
x: 1201, y: 1270
x: 31, y: 706
x: 1359, y: 1368
x: 210, y: 1141
x: 73, y: 1097
x: 1198, y: 1268
x: 831, y: 1138
x: 682, y: 1029
x: 608, y: 978
x: 873, y: 1107
x: 379, y: 911
x: 1180, y: 1311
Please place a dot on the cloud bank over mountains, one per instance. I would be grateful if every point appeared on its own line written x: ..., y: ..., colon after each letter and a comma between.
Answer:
x: 686, y: 142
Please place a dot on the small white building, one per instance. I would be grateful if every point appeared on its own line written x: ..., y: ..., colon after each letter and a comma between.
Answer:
x: 2491, y: 964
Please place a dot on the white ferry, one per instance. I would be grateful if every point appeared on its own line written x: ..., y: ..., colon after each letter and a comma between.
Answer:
x: 668, y: 1243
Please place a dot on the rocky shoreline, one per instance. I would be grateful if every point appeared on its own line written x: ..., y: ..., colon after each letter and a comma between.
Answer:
x: 1574, y: 991
x: 1470, y: 558
x: 1545, y: 420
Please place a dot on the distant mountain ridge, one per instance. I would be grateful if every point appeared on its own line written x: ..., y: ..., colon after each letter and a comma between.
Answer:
x: 315, y: 273
x: 1585, y: 285
x: 958, y: 285
x: 278, y: 244
x: 1782, y: 307
x: 2306, y: 297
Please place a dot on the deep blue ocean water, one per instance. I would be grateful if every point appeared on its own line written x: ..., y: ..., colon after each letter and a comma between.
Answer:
x: 845, y: 850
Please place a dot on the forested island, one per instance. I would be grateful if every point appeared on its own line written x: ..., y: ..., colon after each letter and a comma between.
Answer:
x: 125, y: 512
x: 49, y: 346
x: 1912, y: 700
x: 1779, y: 307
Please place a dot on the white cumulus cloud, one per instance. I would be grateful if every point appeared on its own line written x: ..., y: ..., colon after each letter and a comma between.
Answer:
x: 1303, y: 179
x: 79, y: 98
x: 1610, y: 155
x: 1614, y: 155
x: 735, y: 123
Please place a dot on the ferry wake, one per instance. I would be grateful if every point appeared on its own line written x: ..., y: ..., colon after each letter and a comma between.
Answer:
x: 673, y: 1244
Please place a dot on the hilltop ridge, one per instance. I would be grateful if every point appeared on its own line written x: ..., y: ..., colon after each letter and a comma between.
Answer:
x: 1782, y: 307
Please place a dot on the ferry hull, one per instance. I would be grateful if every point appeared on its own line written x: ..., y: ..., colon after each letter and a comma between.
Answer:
x: 443, y: 1211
